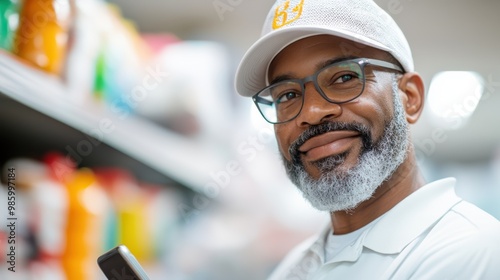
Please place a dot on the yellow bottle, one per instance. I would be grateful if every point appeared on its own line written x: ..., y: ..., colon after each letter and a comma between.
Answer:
x: 43, y: 34
x: 131, y: 205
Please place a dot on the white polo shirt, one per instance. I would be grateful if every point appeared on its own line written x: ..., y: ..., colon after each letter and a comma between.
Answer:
x: 431, y: 234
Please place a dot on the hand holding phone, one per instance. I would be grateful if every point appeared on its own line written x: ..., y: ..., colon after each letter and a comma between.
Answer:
x: 119, y: 264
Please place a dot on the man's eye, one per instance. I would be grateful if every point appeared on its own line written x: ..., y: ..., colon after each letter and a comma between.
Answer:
x: 287, y: 96
x: 344, y: 78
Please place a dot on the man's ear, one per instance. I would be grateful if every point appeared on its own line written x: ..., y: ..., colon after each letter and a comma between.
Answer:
x: 413, y: 95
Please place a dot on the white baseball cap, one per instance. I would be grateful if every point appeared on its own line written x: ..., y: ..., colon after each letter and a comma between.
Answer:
x: 361, y: 21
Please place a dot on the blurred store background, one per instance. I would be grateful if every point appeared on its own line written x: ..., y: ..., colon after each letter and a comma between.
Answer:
x: 120, y: 125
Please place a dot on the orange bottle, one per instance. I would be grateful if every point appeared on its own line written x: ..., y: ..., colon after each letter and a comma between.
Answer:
x: 43, y: 34
x: 87, y: 205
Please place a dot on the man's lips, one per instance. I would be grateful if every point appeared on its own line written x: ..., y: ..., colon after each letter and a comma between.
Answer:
x: 327, y: 144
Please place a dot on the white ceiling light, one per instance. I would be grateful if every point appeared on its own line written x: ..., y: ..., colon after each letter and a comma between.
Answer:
x: 453, y: 97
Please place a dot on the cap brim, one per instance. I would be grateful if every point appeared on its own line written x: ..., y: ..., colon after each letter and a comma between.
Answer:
x: 252, y: 70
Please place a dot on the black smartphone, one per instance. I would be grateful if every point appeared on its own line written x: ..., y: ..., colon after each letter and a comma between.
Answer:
x: 119, y: 264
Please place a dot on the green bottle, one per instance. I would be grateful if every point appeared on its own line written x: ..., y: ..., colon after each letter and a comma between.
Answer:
x: 9, y: 20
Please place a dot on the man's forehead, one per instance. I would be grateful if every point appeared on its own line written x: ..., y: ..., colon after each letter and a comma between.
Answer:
x: 344, y: 46
x: 337, y: 48
x: 317, y: 51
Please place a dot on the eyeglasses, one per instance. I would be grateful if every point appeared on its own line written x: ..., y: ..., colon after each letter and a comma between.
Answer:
x: 338, y: 83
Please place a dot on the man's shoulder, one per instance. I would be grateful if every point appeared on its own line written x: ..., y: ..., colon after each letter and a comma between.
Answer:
x: 462, y: 224
x: 454, y: 219
x: 468, y: 219
x: 464, y: 242
x: 289, y: 267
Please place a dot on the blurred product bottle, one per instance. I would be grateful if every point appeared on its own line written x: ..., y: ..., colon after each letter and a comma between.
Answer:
x: 134, y: 230
x: 131, y: 206
x: 4, y: 236
x: 9, y: 19
x: 87, y: 35
x: 85, y: 223
x: 121, y: 65
x: 49, y: 209
x: 110, y: 233
x: 100, y: 75
x: 42, y: 37
x: 27, y: 173
x: 3, y: 233
x: 50, y: 199
x: 162, y: 217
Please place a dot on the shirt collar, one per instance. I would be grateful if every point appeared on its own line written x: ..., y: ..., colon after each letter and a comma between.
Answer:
x: 403, y: 223
x: 318, y: 247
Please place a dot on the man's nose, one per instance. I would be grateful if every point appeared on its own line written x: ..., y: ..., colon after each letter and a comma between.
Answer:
x: 316, y: 109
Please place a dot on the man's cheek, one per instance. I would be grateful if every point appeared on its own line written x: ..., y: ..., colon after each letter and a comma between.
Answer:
x: 285, y: 151
x: 283, y: 144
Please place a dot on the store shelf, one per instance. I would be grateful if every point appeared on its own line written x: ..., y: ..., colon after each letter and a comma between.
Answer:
x: 181, y: 159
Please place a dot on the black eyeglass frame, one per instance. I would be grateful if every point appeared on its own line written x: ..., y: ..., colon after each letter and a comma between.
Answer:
x: 362, y: 62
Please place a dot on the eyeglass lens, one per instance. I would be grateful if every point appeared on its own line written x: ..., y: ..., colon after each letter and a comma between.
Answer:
x: 340, y: 82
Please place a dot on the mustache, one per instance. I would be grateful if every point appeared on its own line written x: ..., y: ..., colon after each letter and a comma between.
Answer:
x: 330, y: 126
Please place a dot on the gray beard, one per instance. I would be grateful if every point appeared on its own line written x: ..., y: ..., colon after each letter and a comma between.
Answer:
x: 339, y: 189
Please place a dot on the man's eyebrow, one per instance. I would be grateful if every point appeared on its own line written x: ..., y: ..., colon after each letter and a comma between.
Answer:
x: 333, y: 61
x: 320, y: 65
x: 282, y: 78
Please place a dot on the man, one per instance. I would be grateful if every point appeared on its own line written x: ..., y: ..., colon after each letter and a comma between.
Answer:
x: 336, y: 79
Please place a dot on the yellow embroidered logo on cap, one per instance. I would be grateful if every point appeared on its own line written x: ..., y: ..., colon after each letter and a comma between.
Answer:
x: 284, y: 14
